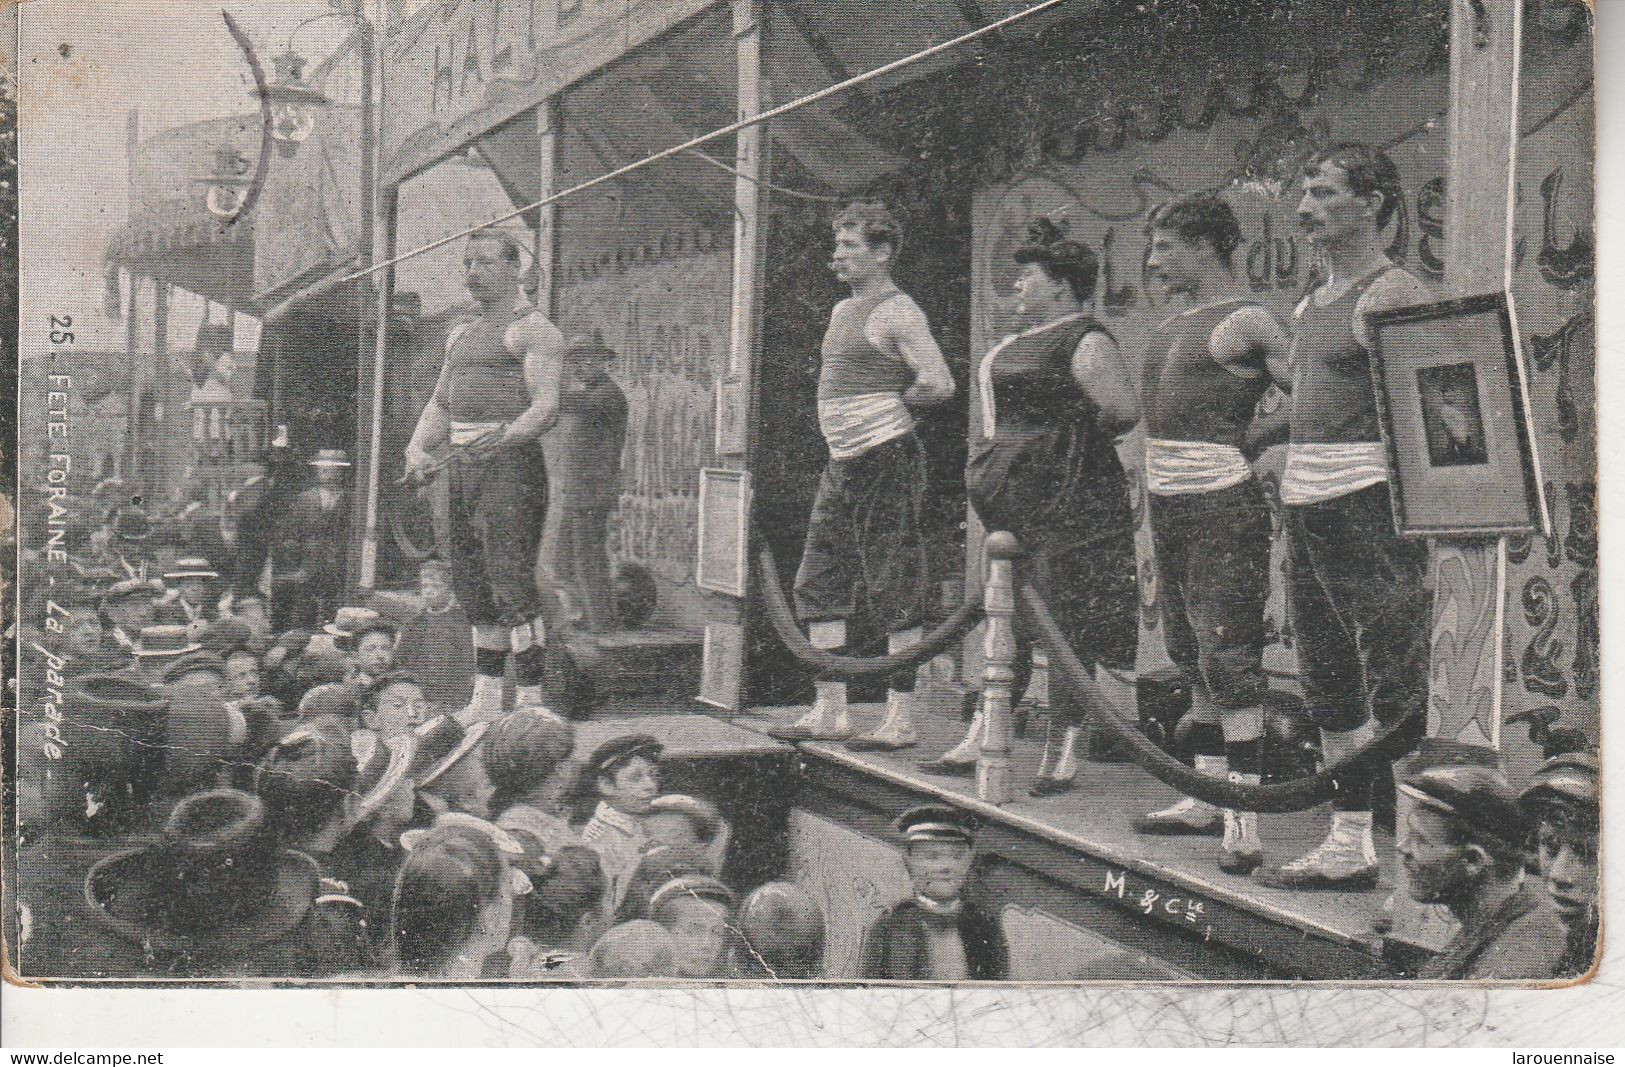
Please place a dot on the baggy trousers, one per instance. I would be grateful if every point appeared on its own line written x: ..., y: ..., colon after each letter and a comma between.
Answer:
x: 1077, y: 539
x: 498, y: 508
x: 865, y: 526
x: 1359, y: 610
x: 1213, y: 555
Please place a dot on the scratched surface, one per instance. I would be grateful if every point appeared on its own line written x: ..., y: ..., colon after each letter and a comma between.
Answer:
x: 76, y: 106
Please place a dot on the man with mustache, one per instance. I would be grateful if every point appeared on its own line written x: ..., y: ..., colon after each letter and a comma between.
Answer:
x: 498, y: 393
x: 1359, y: 609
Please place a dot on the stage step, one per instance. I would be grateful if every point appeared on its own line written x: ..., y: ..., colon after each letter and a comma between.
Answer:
x: 638, y: 662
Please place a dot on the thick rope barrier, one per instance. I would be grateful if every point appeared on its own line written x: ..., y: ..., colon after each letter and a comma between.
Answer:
x: 1296, y: 795
x: 834, y: 665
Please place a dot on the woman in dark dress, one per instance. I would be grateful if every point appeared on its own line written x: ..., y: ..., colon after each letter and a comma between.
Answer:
x: 1043, y: 465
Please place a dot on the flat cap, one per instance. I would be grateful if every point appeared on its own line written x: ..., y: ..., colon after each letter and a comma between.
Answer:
x: 1479, y: 798
x: 616, y: 752
x: 1570, y: 780
x: 937, y: 822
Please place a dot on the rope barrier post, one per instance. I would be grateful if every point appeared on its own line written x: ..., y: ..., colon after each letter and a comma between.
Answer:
x: 998, y: 668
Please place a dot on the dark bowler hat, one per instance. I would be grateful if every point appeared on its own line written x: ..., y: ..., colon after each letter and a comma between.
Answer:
x: 334, y: 699
x: 215, y: 883
x: 114, y: 721
x: 615, y: 753
x: 1567, y: 784
x: 158, y: 641
x: 194, y: 661
x: 937, y: 822
x: 441, y: 743
x: 130, y: 523
x: 170, y: 612
x: 227, y: 635
x: 589, y: 346
x: 1479, y: 798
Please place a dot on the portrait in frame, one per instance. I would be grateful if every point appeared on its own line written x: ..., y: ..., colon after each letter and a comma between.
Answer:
x: 1452, y: 407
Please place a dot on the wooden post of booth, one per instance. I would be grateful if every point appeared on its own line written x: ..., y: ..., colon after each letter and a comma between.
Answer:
x: 545, y: 259
x: 1464, y: 712
x: 750, y: 209
x: 998, y: 668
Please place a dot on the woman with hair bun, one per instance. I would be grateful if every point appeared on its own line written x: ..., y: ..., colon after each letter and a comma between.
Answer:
x: 1043, y: 465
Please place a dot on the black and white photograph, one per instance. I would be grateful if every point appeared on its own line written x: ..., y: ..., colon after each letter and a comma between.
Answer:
x: 730, y: 496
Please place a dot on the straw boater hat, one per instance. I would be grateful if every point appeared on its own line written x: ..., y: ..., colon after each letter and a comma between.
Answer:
x: 191, y: 567
x: 349, y: 622
x: 194, y: 661
x: 441, y: 744
x: 512, y: 851
x: 131, y: 587
x: 380, y: 773
x: 330, y: 457
x: 163, y: 641
x: 699, y: 886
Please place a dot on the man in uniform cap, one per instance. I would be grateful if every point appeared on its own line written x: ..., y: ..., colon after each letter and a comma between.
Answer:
x: 1563, y: 800
x: 126, y: 609
x: 624, y: 774
x: 937, y: 935
x: 1465, y: 849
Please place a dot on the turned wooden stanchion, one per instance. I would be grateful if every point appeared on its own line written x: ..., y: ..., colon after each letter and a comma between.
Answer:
x: 998, y: 668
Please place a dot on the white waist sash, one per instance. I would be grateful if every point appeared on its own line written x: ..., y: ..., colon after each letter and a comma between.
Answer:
x: 852, y: 425
x: 464, y: 432
x: 1319, y: 471
x: 1175, y: 468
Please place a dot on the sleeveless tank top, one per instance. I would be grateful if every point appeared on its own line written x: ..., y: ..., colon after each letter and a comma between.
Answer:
x: 1336, y: 446
x: 485, y: 382
x: 860, y: 387
x: 1026, y: 379
x: 1196, y: 410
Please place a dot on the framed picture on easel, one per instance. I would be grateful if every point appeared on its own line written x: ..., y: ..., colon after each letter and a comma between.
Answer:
x: 1453, y: 409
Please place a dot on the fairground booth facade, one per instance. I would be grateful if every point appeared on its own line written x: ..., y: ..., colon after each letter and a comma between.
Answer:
x: 705, y: 272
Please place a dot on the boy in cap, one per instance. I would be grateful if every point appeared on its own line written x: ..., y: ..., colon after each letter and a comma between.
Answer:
x: 624, y: 774
x: 586, y: 479
x: 1563, y: 800
x: 878, y: 361
x: 938, y: 935
x: 689, y: 823
x: 1465, y: 849
x: 697, y: 910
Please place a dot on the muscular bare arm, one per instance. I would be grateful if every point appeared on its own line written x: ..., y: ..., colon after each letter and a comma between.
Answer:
x: 544, y: 363
x: 1098, y: 368
x: 432, y: 431
x: 1251, y: 344
x: 904, y: 326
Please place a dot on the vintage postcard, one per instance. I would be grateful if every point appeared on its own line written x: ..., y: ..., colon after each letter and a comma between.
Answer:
x: 773, y: 492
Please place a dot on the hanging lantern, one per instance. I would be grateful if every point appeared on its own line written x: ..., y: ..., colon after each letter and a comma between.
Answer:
x: 228, y: 186
x: 294, y: 103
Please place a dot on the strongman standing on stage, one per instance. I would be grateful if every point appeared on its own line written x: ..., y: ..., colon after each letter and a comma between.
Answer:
x: 498, y: 393
x: 1359, y: 609
x: 1204, y: 373
x: 879, y: 358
